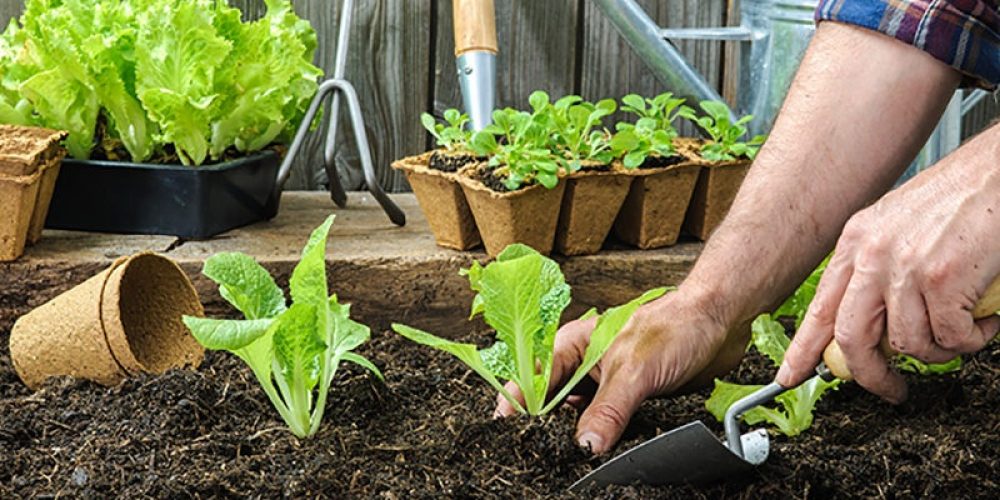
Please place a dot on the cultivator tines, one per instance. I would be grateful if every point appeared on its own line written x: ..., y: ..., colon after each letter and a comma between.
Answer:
x: 334, y: 88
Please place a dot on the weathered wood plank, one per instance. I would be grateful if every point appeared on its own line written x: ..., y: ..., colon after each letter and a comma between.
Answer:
x: 388, y: 273
x: 611, y: 69
x: 537, y: 52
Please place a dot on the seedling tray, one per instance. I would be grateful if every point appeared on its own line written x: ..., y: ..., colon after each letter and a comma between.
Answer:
x: 188, y: 202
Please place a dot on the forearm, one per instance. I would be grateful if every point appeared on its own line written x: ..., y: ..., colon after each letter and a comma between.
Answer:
x: 858, y: 111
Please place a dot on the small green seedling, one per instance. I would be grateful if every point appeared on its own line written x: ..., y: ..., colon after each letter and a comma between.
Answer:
x: 453, y: 137
x: 724, y: 143
x: 635, y: 143
x: 576, y: 133
x: 664, y: 109
x: 293, y: 351
x: 522, y: 296
x: 518, y: 145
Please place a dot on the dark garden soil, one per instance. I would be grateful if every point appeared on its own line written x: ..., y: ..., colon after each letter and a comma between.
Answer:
x: 451, y: 162
x: 427, y: 432
x: 657, y: 161
x: 490, y: 179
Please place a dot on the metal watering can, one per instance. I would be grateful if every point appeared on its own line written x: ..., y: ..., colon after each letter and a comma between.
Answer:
x: 773, y: 36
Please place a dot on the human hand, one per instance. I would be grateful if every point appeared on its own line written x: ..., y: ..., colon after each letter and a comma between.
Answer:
x: 911, y: 267
x: 667, y: 344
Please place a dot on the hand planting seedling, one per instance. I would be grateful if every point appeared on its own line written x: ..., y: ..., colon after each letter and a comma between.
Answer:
x: 293, y: 351
x: 522, y: 296
x: 724, y: 143
x: 518, y: 145
x: 573, y: 132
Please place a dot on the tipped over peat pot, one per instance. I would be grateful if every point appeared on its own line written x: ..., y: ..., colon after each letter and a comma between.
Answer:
x: 176, y: 200
x: 653, y: 211
x: 590, y: 205
x: 528, y: 215
x: 434, y: 179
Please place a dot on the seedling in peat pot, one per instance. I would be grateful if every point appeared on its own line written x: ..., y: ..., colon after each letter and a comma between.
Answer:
x: 518, y: 145
x: 573, y: 132
x: 522, y: 296
x: 636, y: 143
x: 453, y: 137
x: 724, y: 144
x: 663, y: 109
x: 293, y: 351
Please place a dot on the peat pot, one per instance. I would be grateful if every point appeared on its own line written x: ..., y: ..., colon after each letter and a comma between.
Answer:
x: 529, y: 215
x: 590, y: 205
x: 176, y: 200
x: 443, y: 202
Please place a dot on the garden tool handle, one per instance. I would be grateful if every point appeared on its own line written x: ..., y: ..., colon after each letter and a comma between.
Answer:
x: 475, y: 26
x: 833, y: 357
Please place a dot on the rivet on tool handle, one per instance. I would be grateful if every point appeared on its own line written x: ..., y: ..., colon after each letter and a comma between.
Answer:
x: 833, y: 357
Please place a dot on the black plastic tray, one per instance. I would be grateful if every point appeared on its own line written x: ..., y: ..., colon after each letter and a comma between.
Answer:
x: 188, y: 202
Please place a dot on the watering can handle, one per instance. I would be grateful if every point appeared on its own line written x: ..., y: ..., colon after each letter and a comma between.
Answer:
x: 833, y: 358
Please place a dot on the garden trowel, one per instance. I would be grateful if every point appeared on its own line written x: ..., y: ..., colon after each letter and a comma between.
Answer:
x: 692, y: 454
x: 476, y: 53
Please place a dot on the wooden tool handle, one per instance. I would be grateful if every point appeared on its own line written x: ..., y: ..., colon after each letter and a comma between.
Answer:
x: 475, y: 26
x: 987, y: 306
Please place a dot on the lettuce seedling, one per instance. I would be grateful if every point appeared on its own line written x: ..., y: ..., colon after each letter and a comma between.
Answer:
x: 293, y: 351
x: 794, y: 410
x: 664, y: 109
x: 453, y: 137
x: 518, y: 145
x: 573, y: 131
x: 724, y: 143
x: 522, y: 296
x: 635, y: 143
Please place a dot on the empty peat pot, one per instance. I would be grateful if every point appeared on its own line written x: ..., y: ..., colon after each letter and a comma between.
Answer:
x: 122, y: 322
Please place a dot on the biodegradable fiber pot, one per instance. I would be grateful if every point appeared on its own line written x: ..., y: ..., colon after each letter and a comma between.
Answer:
x: 528, y: 215
x: 653, y: 211
x: 442, y: 201
x: 122, y: 322
x: 46, y: 186
x: 713, y: 195
x: 589, y: 208
x: 18, y: 196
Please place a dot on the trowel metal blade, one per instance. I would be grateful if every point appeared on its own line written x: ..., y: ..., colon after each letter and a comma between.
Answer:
x: 688, y: 454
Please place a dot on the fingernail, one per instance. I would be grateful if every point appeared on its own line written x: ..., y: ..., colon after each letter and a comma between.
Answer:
x: 591, y: 441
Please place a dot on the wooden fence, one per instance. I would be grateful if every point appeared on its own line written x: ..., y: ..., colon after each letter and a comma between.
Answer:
x: 402, y: 63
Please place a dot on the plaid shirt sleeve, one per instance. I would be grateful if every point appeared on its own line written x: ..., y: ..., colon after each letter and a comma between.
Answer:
x: 960, y: 33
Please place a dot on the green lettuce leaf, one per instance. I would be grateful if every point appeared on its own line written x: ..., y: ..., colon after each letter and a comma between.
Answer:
x: 245, y: 284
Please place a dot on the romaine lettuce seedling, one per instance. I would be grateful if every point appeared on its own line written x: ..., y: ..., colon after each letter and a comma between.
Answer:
x: 453, y: 137
x: 293, y: 351
x: 663, y: 109
x: 522, y: 296
x: 576, y: 134
x: 518, y: 145
x: 724, y: 143
x: 794, y: 411
x: 635, y: 143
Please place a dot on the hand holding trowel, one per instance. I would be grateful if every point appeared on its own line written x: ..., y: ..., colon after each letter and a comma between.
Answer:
x: 692, y: 453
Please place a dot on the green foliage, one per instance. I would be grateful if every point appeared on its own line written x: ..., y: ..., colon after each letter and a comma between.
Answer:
x: 519, y: 146
x: 635, y: 143
x: 576, y: 134
x: 724, y: 143
x: 522, y: 296
x: 793, y: 412
x: 797, y: 304
x: 453, y: 137
x: 913, y: 365
x: 293, y: 351
x: 663, y: 109
x: 190, y: 75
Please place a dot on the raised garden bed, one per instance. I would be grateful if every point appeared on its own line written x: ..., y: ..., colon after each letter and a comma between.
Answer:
x: 428, y: 432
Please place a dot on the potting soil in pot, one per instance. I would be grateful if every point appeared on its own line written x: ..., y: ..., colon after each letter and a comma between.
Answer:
x: 428, y: 433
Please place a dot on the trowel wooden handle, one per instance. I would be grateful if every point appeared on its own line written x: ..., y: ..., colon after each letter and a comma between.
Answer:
x: 987, y: 306
x: 475, y: 26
